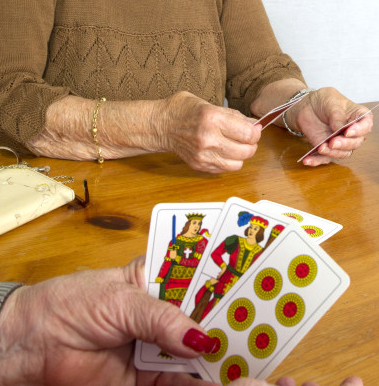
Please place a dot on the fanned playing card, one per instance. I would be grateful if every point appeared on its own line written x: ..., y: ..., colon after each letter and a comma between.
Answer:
x: 241, y: 237
x: 339, y: 131
x: 271, y: 308
x: 318, y: 228
x: 178, y: 236
x: 274, y: 114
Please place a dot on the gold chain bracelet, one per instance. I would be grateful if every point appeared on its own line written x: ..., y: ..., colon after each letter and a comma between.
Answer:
x: 100, y: 159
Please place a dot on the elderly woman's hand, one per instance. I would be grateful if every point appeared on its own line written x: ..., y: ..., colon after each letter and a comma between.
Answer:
x: 323, y: 112
x: 207, y: 137
x: 80, y: 329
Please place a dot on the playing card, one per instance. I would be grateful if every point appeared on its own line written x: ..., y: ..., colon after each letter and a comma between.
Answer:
x: 178, y: 236
x: 318, y: 228
x: 240, y: 237
x: 339, y: 131
x: 272, y: 115
x: 271, y: 308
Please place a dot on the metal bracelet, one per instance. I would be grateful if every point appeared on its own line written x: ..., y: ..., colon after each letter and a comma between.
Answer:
x: 297, y: 95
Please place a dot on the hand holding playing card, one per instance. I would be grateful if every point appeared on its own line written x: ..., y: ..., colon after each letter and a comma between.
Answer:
x: 321, y: 114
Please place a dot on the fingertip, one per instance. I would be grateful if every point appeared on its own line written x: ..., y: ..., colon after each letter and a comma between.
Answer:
x: 336, y: 144
x: 199, y: 342
x: 286, y: 381
x: 307, y: 162
x: 351, y: 131
x: 316, y: 160
x: 352, y: 381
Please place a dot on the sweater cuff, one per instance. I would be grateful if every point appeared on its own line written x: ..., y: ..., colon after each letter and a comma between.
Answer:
x: 6, y: 288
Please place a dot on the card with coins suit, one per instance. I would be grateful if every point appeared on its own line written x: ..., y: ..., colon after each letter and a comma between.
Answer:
x: 318, y: 228
x: 270, y: 308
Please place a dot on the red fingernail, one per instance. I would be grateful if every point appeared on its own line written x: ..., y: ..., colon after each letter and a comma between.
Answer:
x: 199, y: 342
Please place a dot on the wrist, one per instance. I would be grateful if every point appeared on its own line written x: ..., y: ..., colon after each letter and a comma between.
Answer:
x: 178, y: 116
x: 294, y: 128
x: 19, y: 361
x: 130, y: 128
x: 10, y: 341
x: 274, y: 95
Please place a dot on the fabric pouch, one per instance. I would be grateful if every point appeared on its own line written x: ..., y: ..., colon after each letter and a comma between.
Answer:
x: 26, y: 194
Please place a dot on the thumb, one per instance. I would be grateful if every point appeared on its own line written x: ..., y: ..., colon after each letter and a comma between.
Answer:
x: 159, y: 322
x: 337, y: 118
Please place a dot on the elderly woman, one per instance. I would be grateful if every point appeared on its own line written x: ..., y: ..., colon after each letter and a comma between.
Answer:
x: 100, y: 80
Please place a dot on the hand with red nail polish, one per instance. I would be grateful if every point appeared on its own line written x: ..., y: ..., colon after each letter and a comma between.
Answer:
x: 80, y: 329
x: 199, y: 341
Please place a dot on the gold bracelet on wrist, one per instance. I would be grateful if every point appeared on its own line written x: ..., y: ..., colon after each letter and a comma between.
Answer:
x: 100, y: 158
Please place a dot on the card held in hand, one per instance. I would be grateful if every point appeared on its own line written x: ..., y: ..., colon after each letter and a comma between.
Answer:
x: 178, y: 236
x: 318, y: 228
x: 242, y: 235
x: 271, y: 308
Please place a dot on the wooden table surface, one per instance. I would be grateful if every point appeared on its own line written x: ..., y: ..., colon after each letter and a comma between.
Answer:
x: 114, y: 229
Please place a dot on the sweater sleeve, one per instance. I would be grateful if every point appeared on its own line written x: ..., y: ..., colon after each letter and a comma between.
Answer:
x: 6, y: 288
x: 25, y: 28
x: 253, y: 56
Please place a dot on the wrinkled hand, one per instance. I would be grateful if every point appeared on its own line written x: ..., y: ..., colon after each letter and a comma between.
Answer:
x: 207, y: 137
x: 80, y: 330
x: 323, y: 112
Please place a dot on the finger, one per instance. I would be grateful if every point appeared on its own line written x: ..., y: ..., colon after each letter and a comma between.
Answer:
x: 249, y: 382
x: 213, y: 161
x: 342, y: 143
x: 220, y: 150
x: 161, y: 323
x: 240, y: 129
x: 352, y: 381
x: 286, y: 381
x: 209, y: 167
x: 316, y: 160
x: 361, y: 128
x: 338, y: 116
x: 325, y: 150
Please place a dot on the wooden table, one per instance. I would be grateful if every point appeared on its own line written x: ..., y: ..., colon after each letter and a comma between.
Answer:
x: 114, y: 228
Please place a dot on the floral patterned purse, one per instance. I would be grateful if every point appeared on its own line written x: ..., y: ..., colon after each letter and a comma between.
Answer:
x: 26, y: 193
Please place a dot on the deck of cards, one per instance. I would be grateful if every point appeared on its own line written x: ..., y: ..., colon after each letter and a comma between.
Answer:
x: 252, y: 274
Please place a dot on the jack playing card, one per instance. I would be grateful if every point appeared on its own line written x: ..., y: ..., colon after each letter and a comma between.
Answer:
x: 241, y: 237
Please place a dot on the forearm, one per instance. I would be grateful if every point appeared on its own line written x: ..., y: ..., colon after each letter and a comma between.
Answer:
x: 124, y: 129
x: 275, y: 94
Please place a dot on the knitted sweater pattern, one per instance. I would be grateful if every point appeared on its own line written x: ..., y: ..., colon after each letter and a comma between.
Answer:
x: 126, y: 50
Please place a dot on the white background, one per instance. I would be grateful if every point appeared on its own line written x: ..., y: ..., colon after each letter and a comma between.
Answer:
x: 335, y: 42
